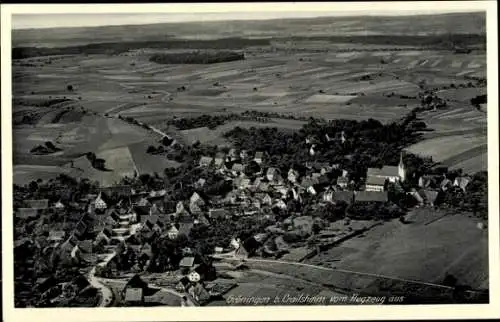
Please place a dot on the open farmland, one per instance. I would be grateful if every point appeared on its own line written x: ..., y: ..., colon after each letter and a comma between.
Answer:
x: 351, y: 85
x: 450, y: 245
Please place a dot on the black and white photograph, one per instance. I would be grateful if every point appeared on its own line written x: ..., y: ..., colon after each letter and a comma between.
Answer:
x: 251, y: 158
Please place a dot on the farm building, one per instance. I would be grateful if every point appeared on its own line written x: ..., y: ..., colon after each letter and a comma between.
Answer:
x: 370, y: 196
x: 374, y: 183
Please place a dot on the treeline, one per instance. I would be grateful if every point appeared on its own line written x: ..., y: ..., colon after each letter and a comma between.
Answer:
x: 119, y: 47
x: 369, y: 143
x: 196, y: 57
x: 442, y: 41
x: 213, y: 121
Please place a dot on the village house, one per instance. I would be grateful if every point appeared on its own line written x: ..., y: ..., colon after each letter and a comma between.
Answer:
x: 99, y: 204
x: 237, y: 168
x: 270, y: 174
x: 219, y: 159
x: 445, y: 184
x: 244, y: 155
x: 120, y: 191
x: 25, y: 213
x: 56, y: 236
x: 425, y: 196
x: 200, y: 183
x: 134, y: 296
x: 59, y: 205
x: 186, y: 264
x: 37, y: 204
x: 461, y: 182
x: 370, y: 196
x: 374, y: 183
x: 293, y: 175
x: 339, y: 196
x: 219, y: 213
x: 205, y: 161
x: 172, y: 232
x: 259, y: 157
x: 342, y: 182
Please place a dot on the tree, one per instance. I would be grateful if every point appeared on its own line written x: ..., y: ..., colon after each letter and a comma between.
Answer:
x: 70, y: 88
x: 151, y: 149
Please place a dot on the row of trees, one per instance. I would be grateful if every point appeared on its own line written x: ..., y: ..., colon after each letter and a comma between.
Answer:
x: 197, y: 57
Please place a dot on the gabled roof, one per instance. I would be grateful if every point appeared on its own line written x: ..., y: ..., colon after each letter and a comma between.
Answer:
x: 462, y: 182
x: 133, y: 294
x: 375, y: 181
x: 56, y: 234
x: 85, y: 246
x: 370, y: 196
x: 346, y: 196
x: 341, y: 180
x: 237, y: 167
x: 429, y: 195
x: 37, y: 204
x: 220, y: 155
x: 386, y: 171
x: 206, y: 160
x: 259, y: 155
x: 187, y: 261
x: 26, y: 212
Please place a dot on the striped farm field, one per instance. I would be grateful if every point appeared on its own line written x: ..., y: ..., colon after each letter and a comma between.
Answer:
x: 442, y: 148
x: 322, y: 98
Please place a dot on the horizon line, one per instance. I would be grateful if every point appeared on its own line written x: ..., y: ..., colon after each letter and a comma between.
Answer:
x: 309, y: 15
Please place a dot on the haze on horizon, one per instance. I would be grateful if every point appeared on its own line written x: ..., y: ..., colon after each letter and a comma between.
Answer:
x: 71, y: 20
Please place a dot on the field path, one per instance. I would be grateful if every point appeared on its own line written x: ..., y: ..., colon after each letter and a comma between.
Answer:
x: 343, y: 271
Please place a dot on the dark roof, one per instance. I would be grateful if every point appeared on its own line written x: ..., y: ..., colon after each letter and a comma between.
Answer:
x: 377, y: 181
x: 371, y: 196
x: 85, y: 246
x: 386, y: 171
x: 346, y: 196
x: 37, y: 204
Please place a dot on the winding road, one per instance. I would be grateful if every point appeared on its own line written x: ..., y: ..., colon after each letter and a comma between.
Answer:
x: 106, y: 294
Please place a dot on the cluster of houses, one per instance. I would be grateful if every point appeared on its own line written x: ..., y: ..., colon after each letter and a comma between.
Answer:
x: 130, y: 225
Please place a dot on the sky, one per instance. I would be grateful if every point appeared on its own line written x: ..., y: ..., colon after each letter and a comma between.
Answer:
x: 51, y: 20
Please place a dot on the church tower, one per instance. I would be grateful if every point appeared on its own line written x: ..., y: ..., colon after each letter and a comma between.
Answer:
x: 401, y: 168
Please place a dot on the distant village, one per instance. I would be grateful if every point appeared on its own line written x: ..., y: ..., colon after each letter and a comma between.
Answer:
x: 123, y: 232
